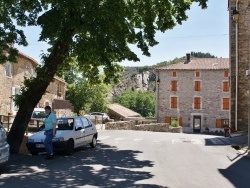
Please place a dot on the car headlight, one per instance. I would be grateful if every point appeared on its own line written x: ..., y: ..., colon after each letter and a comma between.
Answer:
x: 58, y: 139
x: 30, y: 140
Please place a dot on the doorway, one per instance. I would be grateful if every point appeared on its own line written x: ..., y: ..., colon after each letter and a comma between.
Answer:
x: 197, y: 124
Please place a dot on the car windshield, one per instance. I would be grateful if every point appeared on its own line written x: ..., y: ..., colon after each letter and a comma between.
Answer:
x: 65, y: 124
x: 39, y: 114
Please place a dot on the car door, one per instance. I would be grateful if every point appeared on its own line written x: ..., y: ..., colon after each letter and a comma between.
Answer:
x: 89, y: 129
x: 79, y: 132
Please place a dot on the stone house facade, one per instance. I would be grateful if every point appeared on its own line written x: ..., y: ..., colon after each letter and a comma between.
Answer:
x: 239, y: 40
x: 12, y: 77
x: 195, y: 93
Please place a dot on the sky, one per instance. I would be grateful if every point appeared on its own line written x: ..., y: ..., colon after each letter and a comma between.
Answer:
x: 204, y: 31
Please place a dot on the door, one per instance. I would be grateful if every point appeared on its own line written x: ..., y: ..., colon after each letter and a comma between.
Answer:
x: 197, y: 124
x: 89, y: 130
x: 79, y: 132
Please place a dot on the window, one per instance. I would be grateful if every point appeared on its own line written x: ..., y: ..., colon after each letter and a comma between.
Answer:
x: 197, y: 85
x: 225, y: 122
x: 197, y: 74
x: 221, y: 123
x: 174, y: 86
x: 225, y: 103
x: 78, y: 124
x: 86, y: 123
x: 173, y: 102
x: 8, y: 69
x: 226, y: 86
x: 197, y: 103
x: 174, y: 74
x: 226, y: 73
x: 59, y: 90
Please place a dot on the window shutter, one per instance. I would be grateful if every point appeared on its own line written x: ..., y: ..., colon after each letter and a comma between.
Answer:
x: 180, y: 121
x: 226, y: 73
x: 167, y: 119
x: 174, y: 74
x: 218, y: 123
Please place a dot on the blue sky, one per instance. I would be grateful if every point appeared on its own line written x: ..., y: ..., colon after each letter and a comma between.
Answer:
x: 204, y: 31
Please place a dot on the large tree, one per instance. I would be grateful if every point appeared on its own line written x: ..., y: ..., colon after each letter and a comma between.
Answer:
x: 96, y: 32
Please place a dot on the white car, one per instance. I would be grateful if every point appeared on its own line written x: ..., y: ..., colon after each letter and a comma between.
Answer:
x: 98, y: 116
x: 4, y: 146
x: 71, y: 132
x: 38, y: 116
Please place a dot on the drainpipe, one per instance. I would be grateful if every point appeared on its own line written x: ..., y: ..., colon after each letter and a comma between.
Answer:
x: 236, y: 71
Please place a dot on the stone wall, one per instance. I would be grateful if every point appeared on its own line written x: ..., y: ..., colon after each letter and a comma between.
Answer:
x: 130, y: 125
x: 243, y: 62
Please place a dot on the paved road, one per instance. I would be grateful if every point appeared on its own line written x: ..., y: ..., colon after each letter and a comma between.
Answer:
x: 136, y: 159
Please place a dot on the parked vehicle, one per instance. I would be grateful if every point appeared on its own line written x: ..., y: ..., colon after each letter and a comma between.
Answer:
x: 71, y: 133
x: 37, y: 116
x: 4, y: 146
x: 98, y: 116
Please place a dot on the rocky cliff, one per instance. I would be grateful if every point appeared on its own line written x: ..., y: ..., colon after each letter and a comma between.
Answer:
x: 135, y: 79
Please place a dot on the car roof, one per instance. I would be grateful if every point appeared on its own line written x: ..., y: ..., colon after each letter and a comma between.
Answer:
x: 71, y: 117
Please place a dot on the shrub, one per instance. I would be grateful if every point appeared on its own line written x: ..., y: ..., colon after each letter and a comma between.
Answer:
x: 174, y: 123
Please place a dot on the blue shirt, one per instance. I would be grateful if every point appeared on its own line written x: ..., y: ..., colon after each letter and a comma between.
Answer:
x: 50, y: 121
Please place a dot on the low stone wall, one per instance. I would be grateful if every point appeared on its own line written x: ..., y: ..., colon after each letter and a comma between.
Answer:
x: 130, y: 125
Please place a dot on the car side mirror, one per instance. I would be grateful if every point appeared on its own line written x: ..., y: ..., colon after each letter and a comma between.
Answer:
x: 78, y: 128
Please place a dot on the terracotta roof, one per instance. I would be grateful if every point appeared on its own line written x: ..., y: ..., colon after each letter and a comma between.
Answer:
x: 122, y: 111
x: 200, y: 64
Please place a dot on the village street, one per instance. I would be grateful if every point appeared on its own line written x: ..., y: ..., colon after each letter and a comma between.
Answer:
x: 135, y: 159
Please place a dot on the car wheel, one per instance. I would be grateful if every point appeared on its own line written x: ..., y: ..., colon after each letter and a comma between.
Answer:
x: 70, y: 147
x: 34, y: 152
x: 94, y: 142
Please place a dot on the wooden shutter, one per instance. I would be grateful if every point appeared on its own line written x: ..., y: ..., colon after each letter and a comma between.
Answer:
x: 197, y: 103
x: 225, y: 104
x: 226, y: 73
x: 197, y: 74
x: 167, y: 119
x: 174, y: 74
x: 180, y: 121
x: 218, y: 123
x: 174, y: 86
x: 225, y: 86
x: 173, y: 102
x: 197, y: 85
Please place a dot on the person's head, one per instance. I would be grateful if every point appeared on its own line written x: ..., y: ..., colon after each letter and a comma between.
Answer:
x: 47, y: 109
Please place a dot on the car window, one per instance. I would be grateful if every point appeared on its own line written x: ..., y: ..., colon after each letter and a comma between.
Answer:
x: 78, y: 123
x: 86, y: 123
x: 38, y: 114
x: 65, y: 124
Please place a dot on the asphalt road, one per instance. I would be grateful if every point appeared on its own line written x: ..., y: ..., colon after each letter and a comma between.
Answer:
x: 135, y: 159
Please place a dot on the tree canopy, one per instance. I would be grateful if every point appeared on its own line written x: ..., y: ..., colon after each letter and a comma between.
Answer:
x: 96, y: 33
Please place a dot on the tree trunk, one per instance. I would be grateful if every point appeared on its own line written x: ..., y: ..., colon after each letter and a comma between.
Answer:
x: 35, y: 90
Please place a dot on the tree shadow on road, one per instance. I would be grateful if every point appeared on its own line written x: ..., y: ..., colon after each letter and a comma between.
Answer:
x: 238, y: 173
x: 105, y: 166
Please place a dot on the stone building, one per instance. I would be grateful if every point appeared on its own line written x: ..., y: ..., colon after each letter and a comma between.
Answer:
x: 195, y: 93
x: 239, y: 35
x: 11, y: 79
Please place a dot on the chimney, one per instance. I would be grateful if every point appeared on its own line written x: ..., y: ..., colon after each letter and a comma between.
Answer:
x: 188, y: 58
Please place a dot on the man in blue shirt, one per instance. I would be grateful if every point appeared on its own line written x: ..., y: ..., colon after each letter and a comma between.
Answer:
x: 50, y: 131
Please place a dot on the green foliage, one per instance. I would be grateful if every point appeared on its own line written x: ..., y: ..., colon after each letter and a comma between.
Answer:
x: 141, y: 102
x: 87, y: 97
x: 174, y: 123
x: 176, y: 60
x: 202, y: 55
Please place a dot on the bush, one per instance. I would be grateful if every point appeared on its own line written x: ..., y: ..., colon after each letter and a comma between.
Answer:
x: 174, y: 123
